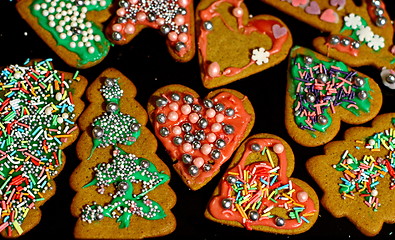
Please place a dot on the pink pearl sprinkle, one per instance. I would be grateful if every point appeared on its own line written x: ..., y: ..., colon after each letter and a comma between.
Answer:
x: 172, y: 116
x: 198, y: 162
x: 213, y: 70
x: 237, y: 12
x: 177, y: 130
x: 141, y: 16
x: 117, y: 27
x: 278, y: 148
x: 206, y: 149
x: 173, y: 106
x: 172, y: 36
x: 187, y: 147
x: 193, y: 117
x: 302, y: 196
x: 179, y: 20
x: 183, y: 37
x: 186, y: 109
x: 129, y: 28
x: 183, y: 3
x: 210, y: 113
x: 216, y: 127
x: 121, y: 12
x: 160, y: 21
x: 133, y: 1
x: 220, y: 117
x: 211, y: 137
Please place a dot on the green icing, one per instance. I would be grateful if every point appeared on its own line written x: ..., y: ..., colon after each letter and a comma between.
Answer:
x: 89, y: 40
x: 114, y: 126
x: 124, y: 171
x: 306, y: 82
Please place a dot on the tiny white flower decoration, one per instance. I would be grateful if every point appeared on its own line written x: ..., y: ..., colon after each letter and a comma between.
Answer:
x: 353, y: 21
x: 365, y: 34
x: 260, y: 56
x: 377, y: 42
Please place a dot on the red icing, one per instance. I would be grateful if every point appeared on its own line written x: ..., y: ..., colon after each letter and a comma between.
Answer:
x: 346, y: 49
x: 371, y: 11
x: 155, y: 25
x: 215, y: 206
x: 239, y: 121
x: 261, y: 26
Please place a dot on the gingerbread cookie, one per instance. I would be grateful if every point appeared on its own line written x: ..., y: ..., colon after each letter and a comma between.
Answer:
x: 39, y: 108
x: 121, y: 184
x: 71, y: 28
x: 359, y: 35
x: 257, y: 192
x: 199, y: 134
x: 357, y: 175
x: 321, y: 93
x: 257, y: 43
x: 174, y: 19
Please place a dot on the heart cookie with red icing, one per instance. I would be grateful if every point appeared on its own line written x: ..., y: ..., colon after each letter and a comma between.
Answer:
x: 200, y: 134
x: 258, y: 193
x: 233, y: 46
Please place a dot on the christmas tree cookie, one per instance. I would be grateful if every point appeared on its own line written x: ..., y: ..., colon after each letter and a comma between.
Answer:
x: 121, y: 184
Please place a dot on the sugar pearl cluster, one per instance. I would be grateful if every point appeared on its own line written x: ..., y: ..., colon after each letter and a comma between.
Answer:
x: 37, y: 115
x: 68, y: 18
x: 124, y: 171
x: 167, y: 15
x: 197, y: 128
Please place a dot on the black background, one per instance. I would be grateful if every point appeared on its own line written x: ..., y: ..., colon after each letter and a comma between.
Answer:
x: 146, y: 62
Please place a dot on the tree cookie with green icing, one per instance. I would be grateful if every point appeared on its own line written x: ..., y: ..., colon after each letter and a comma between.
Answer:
x: 357, y: 175
x: 322, y: 92
x: 258, y: 193
x: 71, y: 28
x: 121, y: 184
x: 39, y: 108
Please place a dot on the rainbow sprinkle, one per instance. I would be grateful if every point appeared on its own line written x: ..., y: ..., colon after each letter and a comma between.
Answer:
x: 37, y: 116
x: 361, y: 176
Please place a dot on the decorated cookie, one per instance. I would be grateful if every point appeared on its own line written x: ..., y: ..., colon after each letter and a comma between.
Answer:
x: 357, y: 175
x: 199, y: 134
x: 322, y: 92
x: 257, y: 192
x: 356, y: 35
x: 71, y: 28
x: 39, y: 108
x: 121, y: 184
x: 257, y: 43
x: 174, y: 19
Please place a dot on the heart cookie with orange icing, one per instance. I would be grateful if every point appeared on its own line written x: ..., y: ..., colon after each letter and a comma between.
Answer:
x: 174, y: 19
x: 200, y: 134
x: 257, y: 43
x: 258, y: 193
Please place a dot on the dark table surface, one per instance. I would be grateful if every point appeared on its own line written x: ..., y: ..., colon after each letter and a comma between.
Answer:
x: 146, y: 62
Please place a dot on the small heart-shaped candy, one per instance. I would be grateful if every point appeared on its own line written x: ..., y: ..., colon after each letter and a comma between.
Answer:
x: 257, y: 192
x: 329, y: 15
x: 279, y: 31
x: 313, y: 8
x: 199, y: 134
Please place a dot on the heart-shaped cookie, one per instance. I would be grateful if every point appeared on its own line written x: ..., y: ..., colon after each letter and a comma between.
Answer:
x: 199, y: 134
x: 257, y: 192
x: 233, y: 46
x: 322, y: 92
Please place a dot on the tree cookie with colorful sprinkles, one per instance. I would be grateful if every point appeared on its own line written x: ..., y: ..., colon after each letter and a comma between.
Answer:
x: 257, y: 43
x: 200, y: 134
x: 357, y: 34
x: 39, y: 107
x: 322, y: 92
x: 121, y: 185
x: 258, y: 193
x: 174, y: 19
x: 357, y: 175
x: 71, y: 28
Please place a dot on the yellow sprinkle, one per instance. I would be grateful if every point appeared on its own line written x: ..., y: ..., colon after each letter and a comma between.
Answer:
x: 240, y: 209
x: 271, y: 194
x: 299, y: 205
x: 65, y: 136
x: 17, y: 227
x: 347, y: 195
x: 270, y: 158
x: 64, y: 95
x: 233, y: 173
x: 359, y: 141
x: 375, y: 150
x: 25, y: 212
x: 307, y: 214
